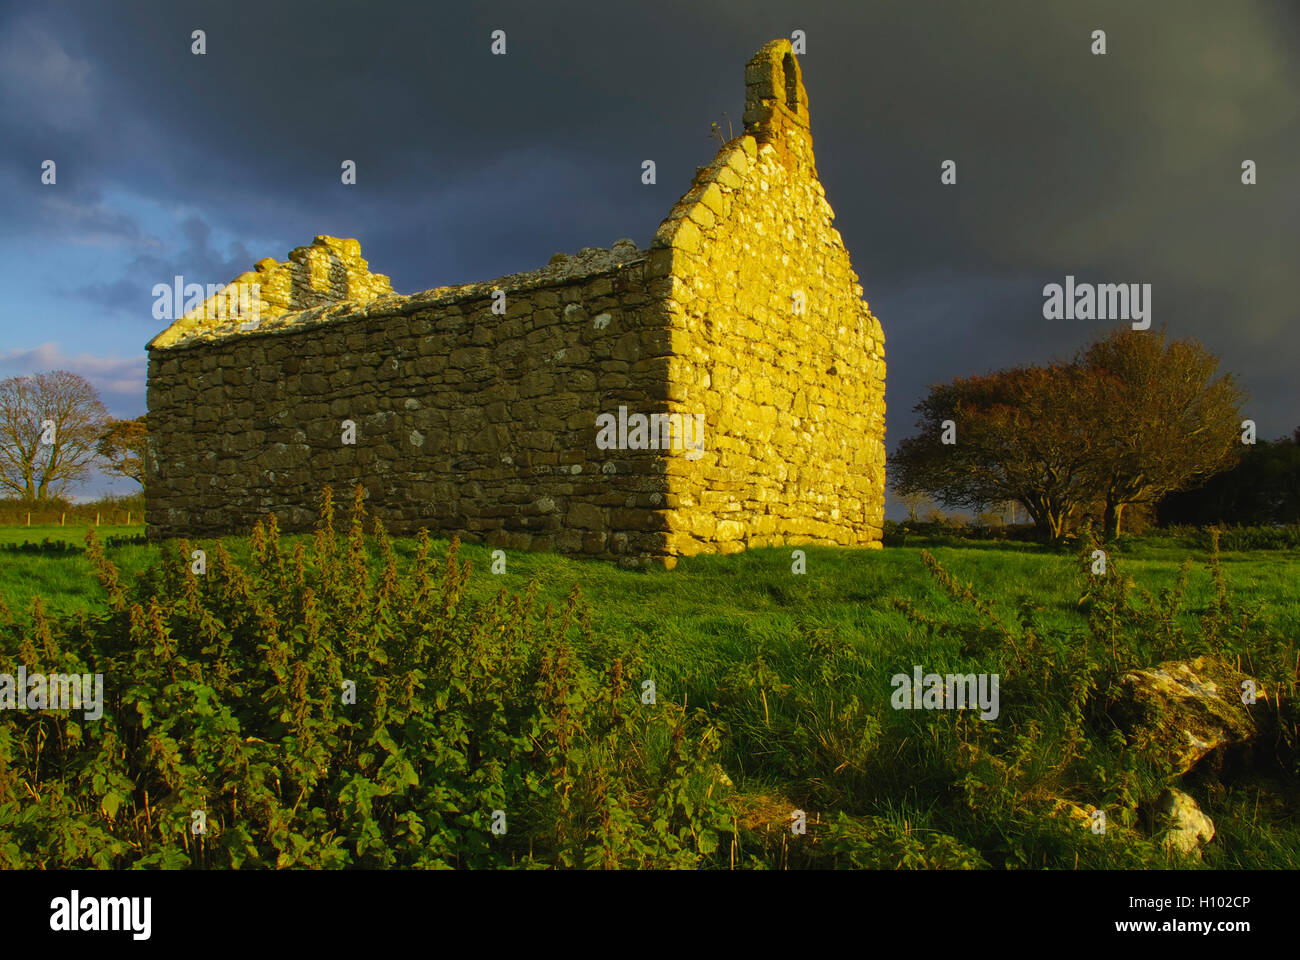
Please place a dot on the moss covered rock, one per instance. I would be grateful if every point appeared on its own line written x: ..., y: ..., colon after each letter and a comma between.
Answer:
x: 1179, y: 712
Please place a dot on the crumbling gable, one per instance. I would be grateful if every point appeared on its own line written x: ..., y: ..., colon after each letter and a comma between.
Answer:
x: 329, y: 272
x: 538, y: 410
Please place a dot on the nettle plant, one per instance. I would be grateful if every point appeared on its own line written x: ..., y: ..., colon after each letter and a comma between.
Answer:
x: 317, y: 708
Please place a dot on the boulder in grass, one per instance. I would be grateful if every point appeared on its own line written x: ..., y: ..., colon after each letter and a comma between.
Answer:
x: 1180, y: 711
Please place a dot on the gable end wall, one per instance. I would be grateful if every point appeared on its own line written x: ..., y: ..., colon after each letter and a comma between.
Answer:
x: 794, y: 402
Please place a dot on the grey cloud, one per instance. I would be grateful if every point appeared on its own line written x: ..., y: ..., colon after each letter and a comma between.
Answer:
x: 119, y: 380
x: 1115, y: 168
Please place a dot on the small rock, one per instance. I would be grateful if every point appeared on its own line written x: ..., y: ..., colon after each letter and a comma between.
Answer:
x: 1189, y: 827
x: 1072, y: 812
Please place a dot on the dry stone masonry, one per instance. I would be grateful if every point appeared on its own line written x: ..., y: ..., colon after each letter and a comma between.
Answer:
x: 328, y: 273
x: 478, y: 409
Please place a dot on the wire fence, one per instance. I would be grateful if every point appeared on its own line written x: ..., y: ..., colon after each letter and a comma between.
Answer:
x: 127, y: 511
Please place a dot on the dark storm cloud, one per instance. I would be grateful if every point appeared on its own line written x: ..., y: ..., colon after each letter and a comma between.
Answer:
x: 1122, y: 168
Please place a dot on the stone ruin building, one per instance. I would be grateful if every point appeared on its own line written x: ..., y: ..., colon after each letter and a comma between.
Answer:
x: 475, y: 409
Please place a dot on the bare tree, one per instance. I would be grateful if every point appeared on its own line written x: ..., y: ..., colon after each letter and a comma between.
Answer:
x: 49, y: 426
x: 914, y: 501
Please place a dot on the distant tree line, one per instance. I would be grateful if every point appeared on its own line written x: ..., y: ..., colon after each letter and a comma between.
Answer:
x: 1262, y: 490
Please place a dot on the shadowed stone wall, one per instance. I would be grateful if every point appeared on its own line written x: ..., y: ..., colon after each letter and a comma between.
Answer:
x: 464, y: 421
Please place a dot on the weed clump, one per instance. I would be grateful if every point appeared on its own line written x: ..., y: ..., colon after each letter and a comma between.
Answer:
x: 298, y: 711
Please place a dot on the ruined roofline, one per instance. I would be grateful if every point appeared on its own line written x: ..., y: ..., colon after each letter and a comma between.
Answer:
x: 775, y: 118
x: 563, y: 270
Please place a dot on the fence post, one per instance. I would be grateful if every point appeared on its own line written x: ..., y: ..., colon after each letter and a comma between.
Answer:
x: 62, y: 517
x: 29, y: 518
x: 128, y: 518
x: 96, y: 519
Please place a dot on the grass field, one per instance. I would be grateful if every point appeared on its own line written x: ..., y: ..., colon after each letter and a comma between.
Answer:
x: 796, y: 670
x: 723, y: 606
x: 65, y: 581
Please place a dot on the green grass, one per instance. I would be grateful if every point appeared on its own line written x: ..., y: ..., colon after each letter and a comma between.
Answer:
x: 74, y: 533
x: 711, y: 609
x: 63, y: 579
x: 796, y: 668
